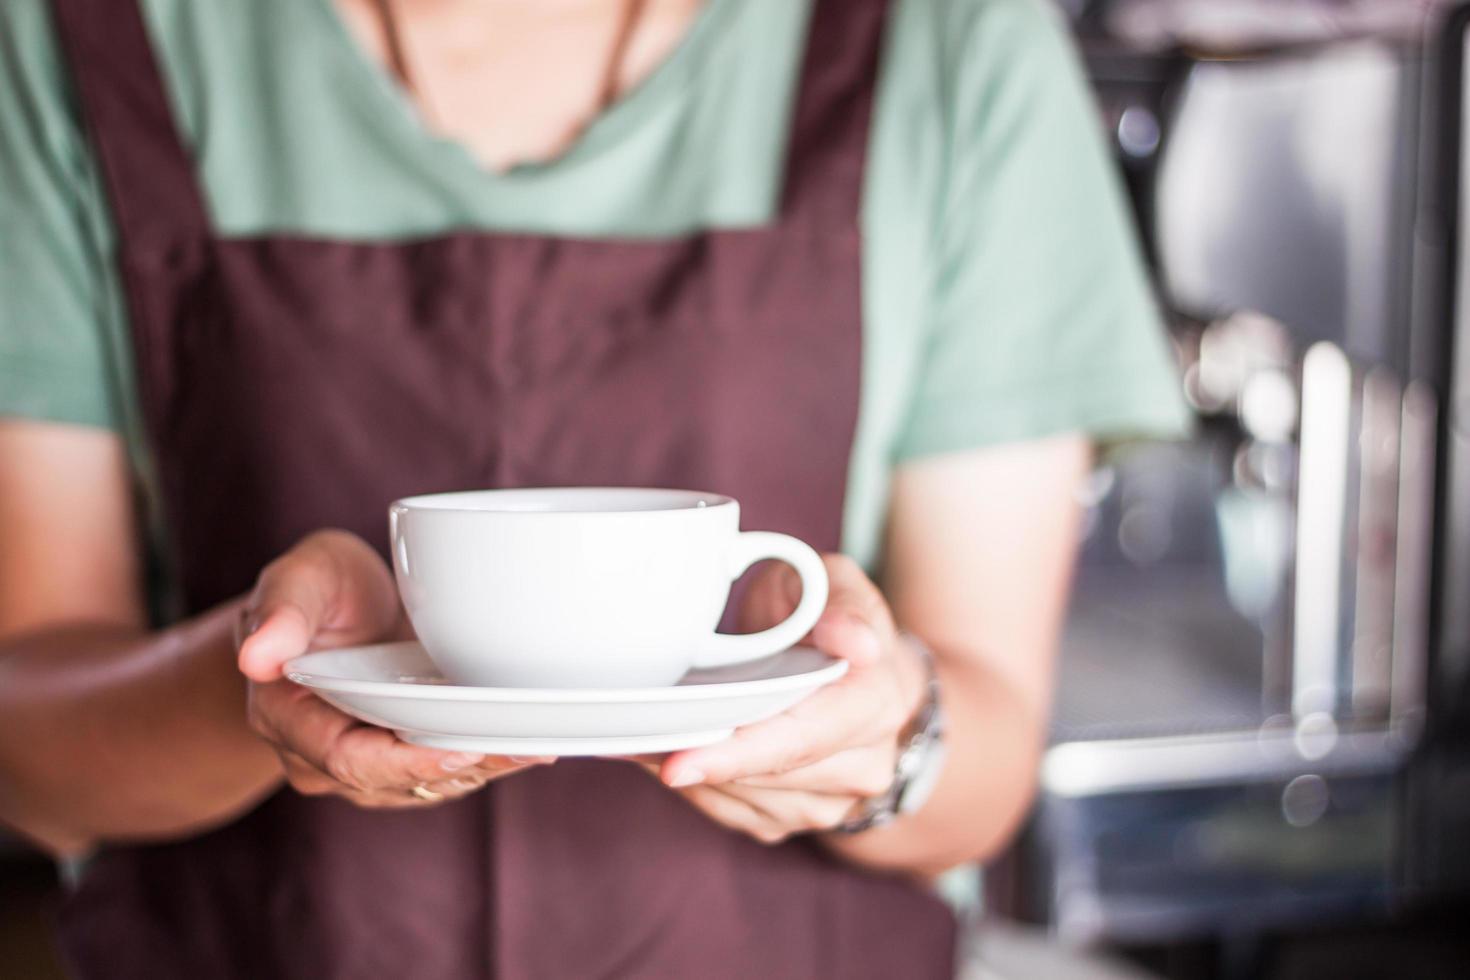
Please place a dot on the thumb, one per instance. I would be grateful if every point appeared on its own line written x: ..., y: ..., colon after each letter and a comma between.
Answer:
x: 273, y: 637
x: 291, y: 602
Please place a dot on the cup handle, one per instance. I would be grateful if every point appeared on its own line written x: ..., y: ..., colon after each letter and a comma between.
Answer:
x: 753, y: 546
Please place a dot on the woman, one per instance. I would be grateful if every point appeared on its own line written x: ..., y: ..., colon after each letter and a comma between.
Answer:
x: 265, y: 267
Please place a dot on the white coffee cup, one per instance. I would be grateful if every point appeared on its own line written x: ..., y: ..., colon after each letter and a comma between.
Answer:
x: 585, y: 587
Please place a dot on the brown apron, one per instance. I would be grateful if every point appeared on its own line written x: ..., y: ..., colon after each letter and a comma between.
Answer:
x: 292, y: 383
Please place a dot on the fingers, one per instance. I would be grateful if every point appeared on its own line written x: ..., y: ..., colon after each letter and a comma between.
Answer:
x: 862, y: 773
x: 770, y: 815
x: 810, y: 767
x: 326, y: 751
x: 771, y: 598
x: 790, y: 811
x: 863, y: 708
x: 365, y: 757
x: 735, y: 813
x: 330, y: 589
x: 779, y: 744
x: 310, y: 781
x: 357, y: 781
x: 856, y: 624
x: 852, y: 712
x: 291, y: 717
x: 824, y: 795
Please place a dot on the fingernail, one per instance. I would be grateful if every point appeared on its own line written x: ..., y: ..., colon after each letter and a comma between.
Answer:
x: 869, y: 646
x: 531, y: 760
x: 466, y: 783
x: 459, y: 760
x: 685, y: 777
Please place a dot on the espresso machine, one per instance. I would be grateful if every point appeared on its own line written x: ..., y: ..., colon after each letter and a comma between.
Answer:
x: 1263, y: 719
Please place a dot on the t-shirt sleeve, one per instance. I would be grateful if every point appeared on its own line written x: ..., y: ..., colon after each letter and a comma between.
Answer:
x: 54, y: 358
x: 1042, y: 318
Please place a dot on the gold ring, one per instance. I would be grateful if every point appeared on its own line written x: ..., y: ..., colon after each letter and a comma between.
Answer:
x: 422, y: 792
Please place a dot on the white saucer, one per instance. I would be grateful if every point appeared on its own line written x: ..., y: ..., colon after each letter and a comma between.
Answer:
x: 397, y: 686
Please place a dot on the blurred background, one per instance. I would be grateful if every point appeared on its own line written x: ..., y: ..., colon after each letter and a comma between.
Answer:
x: 1260, y: 760
x: 1259, y: 764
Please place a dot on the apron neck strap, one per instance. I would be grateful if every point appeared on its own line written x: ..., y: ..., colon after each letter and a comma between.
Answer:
x: 153, y: 185
x: 833, y: 112
x: 150, y: 176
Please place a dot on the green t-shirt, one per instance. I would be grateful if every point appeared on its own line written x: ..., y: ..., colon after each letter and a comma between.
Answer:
x: 1003, y: 294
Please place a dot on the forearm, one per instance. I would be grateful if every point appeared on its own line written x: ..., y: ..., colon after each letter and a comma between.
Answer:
x: 993, y: 741
x: 111, y: 733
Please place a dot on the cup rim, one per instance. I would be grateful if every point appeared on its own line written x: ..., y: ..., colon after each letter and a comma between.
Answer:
x: 681, y: 502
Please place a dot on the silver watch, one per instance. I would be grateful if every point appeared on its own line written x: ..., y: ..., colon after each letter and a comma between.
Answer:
x: 920, y: 759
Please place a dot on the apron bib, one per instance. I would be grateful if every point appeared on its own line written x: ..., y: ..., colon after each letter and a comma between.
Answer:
x: 294, y: 383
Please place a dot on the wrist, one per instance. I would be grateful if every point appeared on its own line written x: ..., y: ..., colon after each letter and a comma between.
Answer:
x: 915, y: 671
x: 920, y: 750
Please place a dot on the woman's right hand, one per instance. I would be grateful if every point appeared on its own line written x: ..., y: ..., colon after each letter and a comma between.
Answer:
x: 333, y: 590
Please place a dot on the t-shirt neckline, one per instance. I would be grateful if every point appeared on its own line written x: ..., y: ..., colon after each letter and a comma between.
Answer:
x: 382, y: 94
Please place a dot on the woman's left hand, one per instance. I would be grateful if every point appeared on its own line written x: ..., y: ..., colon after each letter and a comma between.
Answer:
x: 812, y: 767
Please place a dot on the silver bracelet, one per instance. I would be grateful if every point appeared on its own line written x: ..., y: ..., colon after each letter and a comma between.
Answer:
x: 920, y: 758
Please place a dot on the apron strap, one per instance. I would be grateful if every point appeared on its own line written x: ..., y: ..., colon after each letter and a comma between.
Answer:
x: 149, y: 175
x: 833, y: 112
